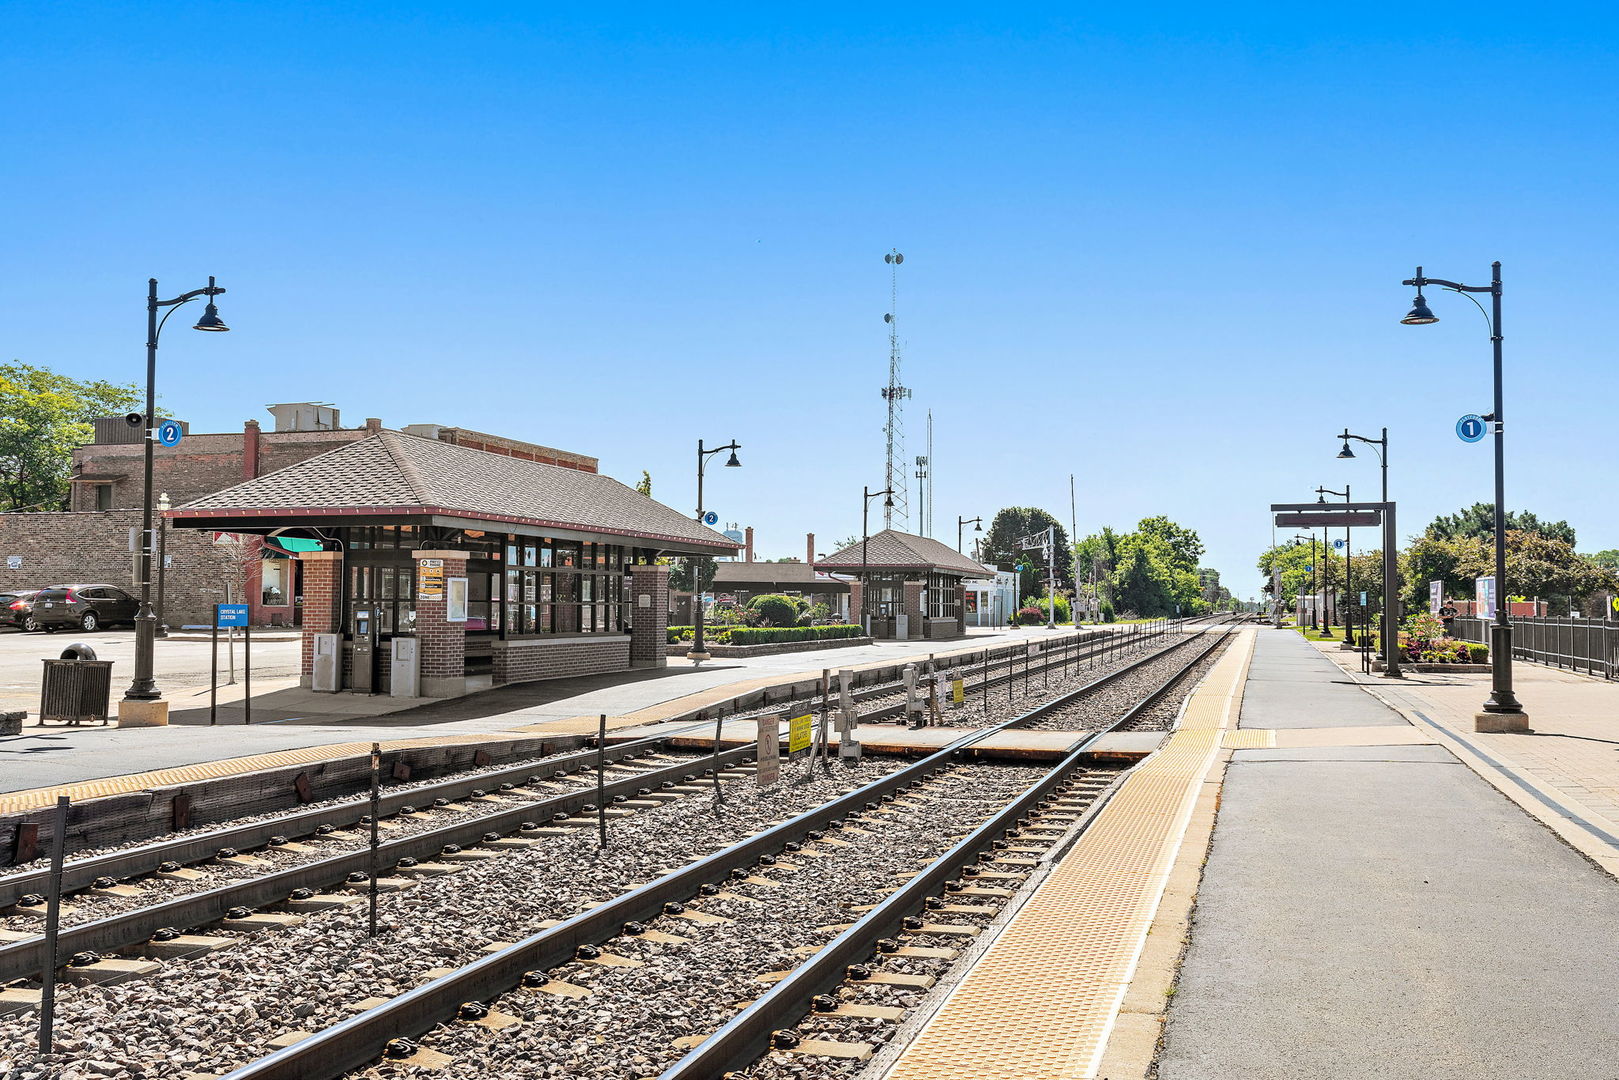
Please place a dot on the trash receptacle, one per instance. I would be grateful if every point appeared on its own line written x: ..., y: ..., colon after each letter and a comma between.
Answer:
x: 76, y: 688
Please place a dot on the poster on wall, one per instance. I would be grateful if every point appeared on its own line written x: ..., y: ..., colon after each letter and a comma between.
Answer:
x: 455, y: 603
x: 430, y: 580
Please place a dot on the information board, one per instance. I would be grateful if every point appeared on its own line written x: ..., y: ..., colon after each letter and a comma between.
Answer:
x: 430, y: 580
x: 800, y: 733
x: 958, y: 691
x: 232, y: 614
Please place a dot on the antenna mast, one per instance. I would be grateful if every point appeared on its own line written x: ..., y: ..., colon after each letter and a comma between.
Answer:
x: 894, y: 393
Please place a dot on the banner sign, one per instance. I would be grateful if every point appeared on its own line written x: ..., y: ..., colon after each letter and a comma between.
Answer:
x: 1436, y: 596
x: 1484, y: 593
x: 1337, y: 519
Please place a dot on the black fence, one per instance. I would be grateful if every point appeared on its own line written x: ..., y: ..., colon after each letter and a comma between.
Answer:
x: 1587, y: 645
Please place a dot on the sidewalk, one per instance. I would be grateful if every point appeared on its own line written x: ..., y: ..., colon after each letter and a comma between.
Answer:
x: 1370, y: 908
x: 290, y: 719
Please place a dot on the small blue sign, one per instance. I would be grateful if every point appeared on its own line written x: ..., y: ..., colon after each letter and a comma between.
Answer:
x: 1363, y: 598
x: 711, y: 518
x: 169, y: 433
x: 1471, y: 428
x: 1338, y: 543
x: 232, y: 615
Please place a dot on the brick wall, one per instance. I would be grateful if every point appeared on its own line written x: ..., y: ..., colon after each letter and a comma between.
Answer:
x: 323, y: 581
x: 64, y: 548
x: 525, y: 661
x: 649, y: 623
x: 911, y: 604
x: 441, y: 645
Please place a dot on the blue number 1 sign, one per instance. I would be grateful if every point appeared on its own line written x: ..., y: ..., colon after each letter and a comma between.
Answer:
x: 1470, y: 428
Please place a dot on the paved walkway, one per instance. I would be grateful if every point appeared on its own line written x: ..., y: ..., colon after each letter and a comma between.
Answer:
x: 81, y: 761
x: 1378, y: 910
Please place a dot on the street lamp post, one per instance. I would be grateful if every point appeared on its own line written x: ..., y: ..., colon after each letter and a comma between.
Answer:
x: 865, y: 543
x: 1321, y: 494
x: 139, y: 704
x: 1502, y: 710
x: 162, y: 630
x: 698, y: 654
x: 976, y: 522
x: 1382, y: 448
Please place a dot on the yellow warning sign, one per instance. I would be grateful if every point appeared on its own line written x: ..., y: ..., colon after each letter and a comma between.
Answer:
x: 798, y: 733
x: 958, y: 690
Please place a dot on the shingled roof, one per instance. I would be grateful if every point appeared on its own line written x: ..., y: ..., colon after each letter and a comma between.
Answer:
x: 894, y: 550
x: 400, y: 475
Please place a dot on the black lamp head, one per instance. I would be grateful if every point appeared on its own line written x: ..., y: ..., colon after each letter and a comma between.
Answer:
x: 978, y: 526
x: 733, y: 463
x: 1419, y: 315
x: 210, y: 320
x: 1346, y: 452
x: 888, y: 503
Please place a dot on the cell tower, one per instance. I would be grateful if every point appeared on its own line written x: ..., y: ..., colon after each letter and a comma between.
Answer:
x: 895, y: 394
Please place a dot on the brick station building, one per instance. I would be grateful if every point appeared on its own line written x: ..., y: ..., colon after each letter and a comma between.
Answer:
x: 904, y: 574
x: 503, y: 568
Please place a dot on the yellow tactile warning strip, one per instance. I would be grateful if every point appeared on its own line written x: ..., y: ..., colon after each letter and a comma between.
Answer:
x: 35, y: 798
x: 1040, y: 1003
x: 1379, y: 735
x: 1249, y: 739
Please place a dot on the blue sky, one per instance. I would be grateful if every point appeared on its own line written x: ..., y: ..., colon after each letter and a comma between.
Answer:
x: 1158, y: 249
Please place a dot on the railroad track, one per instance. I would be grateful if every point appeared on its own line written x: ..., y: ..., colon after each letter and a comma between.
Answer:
x: 713, y: 907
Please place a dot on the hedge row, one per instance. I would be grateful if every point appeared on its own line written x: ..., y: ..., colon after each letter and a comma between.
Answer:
x: 769, y: 635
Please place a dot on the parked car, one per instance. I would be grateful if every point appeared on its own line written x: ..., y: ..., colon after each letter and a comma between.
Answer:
x: 88, y: 607
x: 16, y: 609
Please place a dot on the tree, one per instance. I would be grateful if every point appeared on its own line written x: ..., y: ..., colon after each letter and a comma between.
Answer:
x: 43, y: 416
x: 1141, y: 584
x: 1184, y: 545
x: 693, y: 567
x: 1607, y: 559
x: 1003, y: 547
x: 1538, y: 566
x: 1479, y: 520
x: 645, y: 486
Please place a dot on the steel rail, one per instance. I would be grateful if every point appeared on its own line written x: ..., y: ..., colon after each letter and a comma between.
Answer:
x: 747, y: 1034
x: 196, y: 847
x: 359, y: 1040
x: 26, y: 958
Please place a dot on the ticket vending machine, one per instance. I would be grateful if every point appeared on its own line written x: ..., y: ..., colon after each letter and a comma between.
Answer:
x: 364, y: 676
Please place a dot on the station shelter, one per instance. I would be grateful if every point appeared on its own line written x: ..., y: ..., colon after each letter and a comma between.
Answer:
x: 502, y: 569
x: 906, y: 587
x: 741, y: 581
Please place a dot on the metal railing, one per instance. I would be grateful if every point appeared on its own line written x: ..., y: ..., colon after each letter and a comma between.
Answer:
x: 1586, y: 645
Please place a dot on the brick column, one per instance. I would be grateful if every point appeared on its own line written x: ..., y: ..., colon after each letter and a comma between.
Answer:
x: 323, y: 604
x: 911, y: 604
x: 441, y: 646
x: 857, y: 607
x: 649, y: 616
x: 961, y: 607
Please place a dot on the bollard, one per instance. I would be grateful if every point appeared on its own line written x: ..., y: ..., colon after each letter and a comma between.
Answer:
x: 719, y: 798
x: 601, y: 772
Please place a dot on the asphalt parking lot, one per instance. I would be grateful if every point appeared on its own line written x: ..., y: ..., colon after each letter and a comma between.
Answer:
x: 179, y: 664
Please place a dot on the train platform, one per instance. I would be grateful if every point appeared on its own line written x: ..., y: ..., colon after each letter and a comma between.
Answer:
x: 298, y: 727
x: 1313, y: 878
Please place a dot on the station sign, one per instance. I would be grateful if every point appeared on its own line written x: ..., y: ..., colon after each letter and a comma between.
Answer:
x: 1471, y: 428
x: 1336, y: 519
x: 231, y: 615
x: 169, y: 433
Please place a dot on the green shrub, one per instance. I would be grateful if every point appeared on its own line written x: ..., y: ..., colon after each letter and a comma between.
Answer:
x: 776, y: 609
x: 1106, y: 611
x: 1029, y: 616
x: 1043, y: 602
x: 772, y: 635
x: 1477, y: 653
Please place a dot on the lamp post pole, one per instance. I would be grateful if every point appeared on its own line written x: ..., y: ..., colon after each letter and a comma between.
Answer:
x: 143, y: 688
x: 976, y: 522
x: 1321, y: 494
x: 1382, y: 447
x: 865, y: 549
x: 698, y: 653
x: 1502, y: 710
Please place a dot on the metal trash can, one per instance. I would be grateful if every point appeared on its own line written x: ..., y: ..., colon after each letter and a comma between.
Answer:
x: 76, y: 688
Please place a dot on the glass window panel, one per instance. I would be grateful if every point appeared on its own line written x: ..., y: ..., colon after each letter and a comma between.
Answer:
x: 385, y: 618
x: 567, y: 554
x: 511, y: 554
x: 407, y: 620
x: 530, y: 553
x: 546, y: 553
x: 385, y: 583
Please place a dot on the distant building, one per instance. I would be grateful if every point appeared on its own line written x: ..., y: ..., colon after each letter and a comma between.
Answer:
x: 909, y: 587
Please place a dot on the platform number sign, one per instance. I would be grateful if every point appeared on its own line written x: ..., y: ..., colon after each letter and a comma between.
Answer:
x: 169, y: 433
x: 711, y: 518
x: 1471, y: 428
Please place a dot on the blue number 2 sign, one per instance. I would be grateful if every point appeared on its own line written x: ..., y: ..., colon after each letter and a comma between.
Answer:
x: 169, y: 433
x: 1470, y: 428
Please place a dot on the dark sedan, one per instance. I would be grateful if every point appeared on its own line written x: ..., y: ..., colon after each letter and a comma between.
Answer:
x: 16, y: 609
x: 89, y: 607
